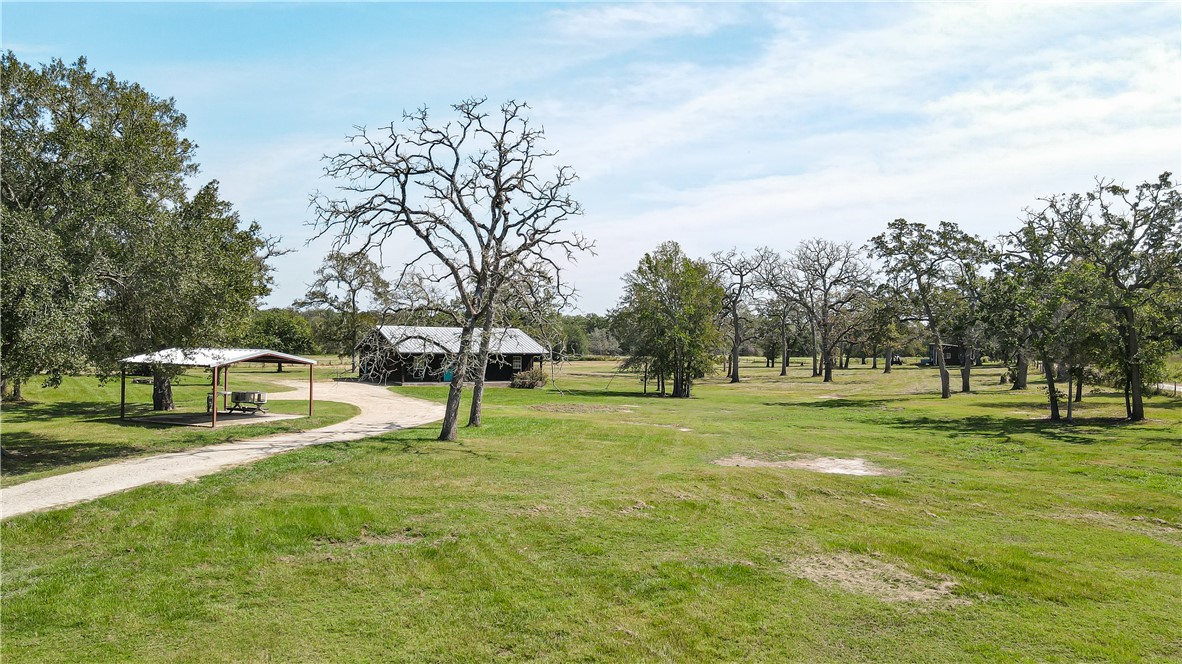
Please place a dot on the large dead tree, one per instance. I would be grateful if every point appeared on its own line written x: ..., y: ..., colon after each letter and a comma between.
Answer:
x: 472, y: 193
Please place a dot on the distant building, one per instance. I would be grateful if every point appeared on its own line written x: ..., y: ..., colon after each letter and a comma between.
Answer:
x: 418, y: 354
x: 952, y: 355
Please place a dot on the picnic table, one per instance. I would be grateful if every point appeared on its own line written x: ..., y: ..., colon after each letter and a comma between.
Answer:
x: 243, y: 402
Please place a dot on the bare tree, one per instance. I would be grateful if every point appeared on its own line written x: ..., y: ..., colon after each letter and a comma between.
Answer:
x: 826, y: 279
x: 739, y: 274
x: 341, y: 285
x: 472, y: 193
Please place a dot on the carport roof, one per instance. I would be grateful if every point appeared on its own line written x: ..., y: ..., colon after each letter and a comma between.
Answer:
x: 214, y: 357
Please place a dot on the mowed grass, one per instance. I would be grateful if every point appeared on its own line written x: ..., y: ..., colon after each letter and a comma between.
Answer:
x: 591, y: 525
x: 77, y: 425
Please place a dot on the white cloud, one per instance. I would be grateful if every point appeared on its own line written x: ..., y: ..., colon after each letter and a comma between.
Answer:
x: 638, y: 22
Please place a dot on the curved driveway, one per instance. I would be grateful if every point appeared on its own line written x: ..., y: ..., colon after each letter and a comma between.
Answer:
x: 382, y: 411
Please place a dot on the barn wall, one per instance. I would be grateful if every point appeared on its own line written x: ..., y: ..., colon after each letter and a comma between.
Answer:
x: 401, y: 370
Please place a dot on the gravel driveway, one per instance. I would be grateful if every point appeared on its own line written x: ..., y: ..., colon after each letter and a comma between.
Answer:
x: 381, y: 411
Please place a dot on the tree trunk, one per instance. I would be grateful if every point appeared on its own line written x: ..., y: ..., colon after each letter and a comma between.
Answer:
x: 828, y: 362
x: 945, y: 387
x: 890, y: 359
x: 1061, y: 372
x: 477, y: 406
x: 16, y: 389
x: 162, y: 391
x: 1070, y: 376
x: 1049, y: 370
x: 1133, y: 363
x: 279, y: 367
x: 1079, y: 384
x: 1021, y: 371
x: 735, y: 324
x: 451, y: 414
x: 783, y: 350
x: 813, y: 332
x: 945, y: 379
x: 966, y: 369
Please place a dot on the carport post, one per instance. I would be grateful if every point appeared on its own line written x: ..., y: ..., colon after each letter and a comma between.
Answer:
x: 214, y: 423
x: 310, y: 389
x: 225, y: 386
x: 123, y: 391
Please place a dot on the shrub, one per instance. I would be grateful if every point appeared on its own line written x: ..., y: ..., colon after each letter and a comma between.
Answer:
x: 529, y: 379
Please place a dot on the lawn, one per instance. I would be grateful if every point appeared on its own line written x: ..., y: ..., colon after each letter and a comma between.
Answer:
x: 591, y: 525
x: 77, y: 424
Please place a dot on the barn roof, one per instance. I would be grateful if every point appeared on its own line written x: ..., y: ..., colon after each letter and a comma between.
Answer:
x: 214, y: 357
x: 424, y: 339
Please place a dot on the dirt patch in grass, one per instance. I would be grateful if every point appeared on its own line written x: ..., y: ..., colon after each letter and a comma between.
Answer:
x: 856, y: 466
x: 1159, y: 529
x: 867, y: 575
x: 636, y: 507
x: 666, y: 426
x: 367, y: 538
x: 580, y: 408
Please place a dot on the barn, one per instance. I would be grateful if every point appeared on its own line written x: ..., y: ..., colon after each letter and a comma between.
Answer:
x: 419, y: 354
x: 952, y: 356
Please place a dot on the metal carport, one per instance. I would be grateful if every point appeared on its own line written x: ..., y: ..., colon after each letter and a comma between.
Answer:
x: 216, y: 359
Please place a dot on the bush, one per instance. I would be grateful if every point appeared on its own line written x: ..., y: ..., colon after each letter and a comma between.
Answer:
x: 529, y: 379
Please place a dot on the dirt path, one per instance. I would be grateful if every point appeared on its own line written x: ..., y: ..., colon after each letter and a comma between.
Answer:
x: 381, y: 411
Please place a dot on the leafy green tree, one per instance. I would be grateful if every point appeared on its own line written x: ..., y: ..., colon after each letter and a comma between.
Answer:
x: 187, y: 278
x: 349, y: 284
x: 925, y: 262
x: 44, y: 313
x: 1134, y: 239
x: 93, y: 174
x: 667, y: 319
x: 574, y: 336
x: 82, y: 154
x: 283, y: 330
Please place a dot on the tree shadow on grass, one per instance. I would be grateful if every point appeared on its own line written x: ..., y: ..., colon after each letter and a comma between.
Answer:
x: 979, y: 425
x: 417, y: 441
x: 32, y: 452
x: 836, y: 403
x: 610, y: 393
x: 31, y: 411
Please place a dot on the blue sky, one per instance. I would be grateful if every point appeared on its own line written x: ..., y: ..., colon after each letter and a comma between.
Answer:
x: 716, y: 125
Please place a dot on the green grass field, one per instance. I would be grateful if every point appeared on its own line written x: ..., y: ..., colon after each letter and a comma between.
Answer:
x: 591, y: 525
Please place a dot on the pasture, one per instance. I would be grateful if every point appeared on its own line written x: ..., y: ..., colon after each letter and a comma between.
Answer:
x: 594, y: 524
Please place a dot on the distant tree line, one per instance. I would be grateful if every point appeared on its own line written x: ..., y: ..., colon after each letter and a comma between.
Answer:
x: 1088, y: 288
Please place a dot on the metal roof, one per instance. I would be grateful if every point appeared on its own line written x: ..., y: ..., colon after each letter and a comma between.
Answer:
x: 214, y: 357
x: 424, y: 339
